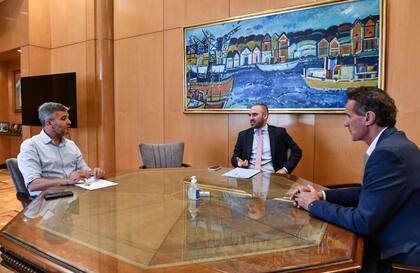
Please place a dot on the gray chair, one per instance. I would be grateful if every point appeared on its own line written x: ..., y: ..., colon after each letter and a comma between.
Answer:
x: 22, y: 192
x: 162, y: 155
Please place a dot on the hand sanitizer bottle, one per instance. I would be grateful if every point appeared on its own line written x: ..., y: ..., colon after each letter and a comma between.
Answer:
x: 193, y: 190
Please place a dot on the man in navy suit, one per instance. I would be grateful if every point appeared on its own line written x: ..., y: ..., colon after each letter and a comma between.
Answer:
x: 386, y: 207
x: 271, y: 153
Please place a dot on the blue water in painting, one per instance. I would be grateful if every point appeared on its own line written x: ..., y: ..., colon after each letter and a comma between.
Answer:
x: 280, y: 89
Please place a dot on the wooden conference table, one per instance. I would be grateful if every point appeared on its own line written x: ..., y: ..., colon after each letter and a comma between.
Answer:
x: 147, y: 224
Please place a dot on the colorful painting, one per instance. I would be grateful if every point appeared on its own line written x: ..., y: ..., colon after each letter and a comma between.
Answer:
x: 300, y: 60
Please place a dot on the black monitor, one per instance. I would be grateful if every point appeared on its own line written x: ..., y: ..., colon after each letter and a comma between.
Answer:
x: 36, y: 90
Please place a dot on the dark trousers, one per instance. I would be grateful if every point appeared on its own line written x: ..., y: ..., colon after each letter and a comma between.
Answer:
x: 372, y: 262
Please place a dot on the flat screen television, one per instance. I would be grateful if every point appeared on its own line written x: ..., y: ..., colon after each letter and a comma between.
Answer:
x: 45, y: 88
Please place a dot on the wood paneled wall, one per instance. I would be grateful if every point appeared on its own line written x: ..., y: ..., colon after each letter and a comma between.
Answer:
x: 61, y: 36
x: 149, y: 82
x: 68, y: 36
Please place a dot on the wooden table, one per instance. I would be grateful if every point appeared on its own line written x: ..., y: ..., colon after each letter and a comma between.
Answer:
x: 146, y: 224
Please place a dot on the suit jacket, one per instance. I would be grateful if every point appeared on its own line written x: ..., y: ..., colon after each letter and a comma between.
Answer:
x: 387, y: 205
x: 280, y: 141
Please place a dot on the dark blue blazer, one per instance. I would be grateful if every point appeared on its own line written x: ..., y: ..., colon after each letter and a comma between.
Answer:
x: 280, y: 142
x: 387, y: 205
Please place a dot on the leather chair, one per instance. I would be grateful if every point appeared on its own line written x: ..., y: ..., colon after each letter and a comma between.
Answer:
x: 22, y: 192
x: 162, y: 155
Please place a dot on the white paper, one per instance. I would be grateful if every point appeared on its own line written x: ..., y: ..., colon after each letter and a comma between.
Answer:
x: 97, y: 184
x: 241, y: 173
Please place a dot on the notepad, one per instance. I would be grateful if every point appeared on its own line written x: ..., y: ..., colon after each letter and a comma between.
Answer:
x: 241, y: 173
x: 97, y: 184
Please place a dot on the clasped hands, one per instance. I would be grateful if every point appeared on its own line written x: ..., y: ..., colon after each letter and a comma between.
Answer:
x: 83, y: 175
x: 303, y: 196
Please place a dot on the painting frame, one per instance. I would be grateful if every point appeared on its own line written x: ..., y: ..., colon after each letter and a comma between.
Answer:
x: 368, y: 65
x: 17, y: 92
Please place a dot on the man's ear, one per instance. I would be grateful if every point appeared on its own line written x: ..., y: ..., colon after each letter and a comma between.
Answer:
x: 47, y: 123
x: 370, y: 118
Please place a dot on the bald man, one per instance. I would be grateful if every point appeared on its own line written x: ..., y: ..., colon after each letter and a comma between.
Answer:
x: 264, y: 146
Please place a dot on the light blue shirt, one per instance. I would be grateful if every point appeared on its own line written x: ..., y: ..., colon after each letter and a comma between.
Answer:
x: 39, y: 157
x: 266, y: 164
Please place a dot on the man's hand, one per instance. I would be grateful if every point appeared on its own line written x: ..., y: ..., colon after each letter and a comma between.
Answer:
x: 296, y: 191
x: 304, y: 198
x: 77, y: 176
x: 282, y: 171
x: 242, y: 163
x: 97, y: 173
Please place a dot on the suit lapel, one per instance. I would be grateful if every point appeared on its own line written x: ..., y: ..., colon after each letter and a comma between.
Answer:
x: 272, y: 140
x: 249, y: 141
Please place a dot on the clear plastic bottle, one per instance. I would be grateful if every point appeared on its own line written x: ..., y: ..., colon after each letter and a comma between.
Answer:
x: 193, y: 190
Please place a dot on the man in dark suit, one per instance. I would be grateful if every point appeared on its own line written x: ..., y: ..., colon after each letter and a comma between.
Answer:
x: 264, y: 146
x: 386, y: 207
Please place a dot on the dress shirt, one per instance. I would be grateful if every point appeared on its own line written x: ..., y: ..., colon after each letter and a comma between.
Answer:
x: 39, y: 157
x: 372, y: 146
x: 266, y: 164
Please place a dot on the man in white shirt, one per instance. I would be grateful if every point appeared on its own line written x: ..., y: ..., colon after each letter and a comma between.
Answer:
x: 49, y: 159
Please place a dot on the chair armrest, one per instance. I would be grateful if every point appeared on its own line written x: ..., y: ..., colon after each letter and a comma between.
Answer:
x: 400, y: 268
x: 24, y: 199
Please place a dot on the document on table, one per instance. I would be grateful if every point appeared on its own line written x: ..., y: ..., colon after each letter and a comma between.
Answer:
x: 97, y: 184
x: 241, y: 173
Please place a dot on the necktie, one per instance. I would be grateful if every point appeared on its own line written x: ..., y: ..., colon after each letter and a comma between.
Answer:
x: 259, y: 150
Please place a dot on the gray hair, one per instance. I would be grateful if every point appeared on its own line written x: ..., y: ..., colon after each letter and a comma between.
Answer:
x: 47, y: 111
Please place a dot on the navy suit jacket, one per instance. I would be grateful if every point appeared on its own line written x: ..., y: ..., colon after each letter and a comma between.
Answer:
x: 280, y: 141
x: 387, y: 205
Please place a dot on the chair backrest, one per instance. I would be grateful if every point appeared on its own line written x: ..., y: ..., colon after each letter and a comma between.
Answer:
x: 162, y: 155
x: 21, y: 190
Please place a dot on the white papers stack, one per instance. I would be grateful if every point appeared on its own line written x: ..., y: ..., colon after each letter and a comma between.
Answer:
x: 241, y: 173
x: 97, y: 184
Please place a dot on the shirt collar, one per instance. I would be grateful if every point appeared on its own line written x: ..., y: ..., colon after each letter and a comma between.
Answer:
x: 372, y: 146
x: 47, y: 139
x: 264, y: 128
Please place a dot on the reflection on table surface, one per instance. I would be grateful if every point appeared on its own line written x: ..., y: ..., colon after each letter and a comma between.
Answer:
x: 148, y: 222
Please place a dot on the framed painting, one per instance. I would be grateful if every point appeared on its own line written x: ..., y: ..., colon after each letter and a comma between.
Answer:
x: 17, y: 97
x: 297, y: 60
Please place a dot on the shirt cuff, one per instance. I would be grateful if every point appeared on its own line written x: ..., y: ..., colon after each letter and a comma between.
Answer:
x: 324, y: 196
x: 284, y: 168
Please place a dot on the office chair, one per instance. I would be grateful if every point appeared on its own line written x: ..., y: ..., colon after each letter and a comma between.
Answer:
x: 22, y: 193
x: 162, y: 155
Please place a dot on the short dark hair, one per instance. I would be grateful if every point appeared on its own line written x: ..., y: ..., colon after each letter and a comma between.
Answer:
x: 376, y: 100
x: 47, y: 111
x: 263, y: 105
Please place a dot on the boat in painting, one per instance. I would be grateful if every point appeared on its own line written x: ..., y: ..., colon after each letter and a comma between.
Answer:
x: 209, y: 95
x: 278, y: 66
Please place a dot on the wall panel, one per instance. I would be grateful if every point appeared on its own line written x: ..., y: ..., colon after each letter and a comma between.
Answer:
x: 179, y: 13
x: 39, y: 24
x: 138, y: 96
x: 13, y: 24
x: 135, y: 17
x: 68, y: 22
